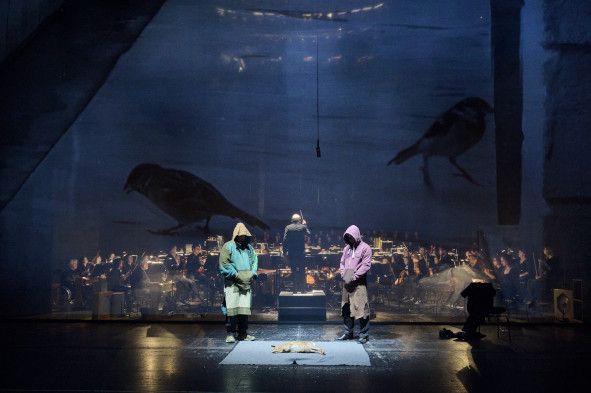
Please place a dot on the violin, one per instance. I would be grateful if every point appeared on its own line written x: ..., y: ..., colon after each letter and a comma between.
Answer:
x: 401, y: 277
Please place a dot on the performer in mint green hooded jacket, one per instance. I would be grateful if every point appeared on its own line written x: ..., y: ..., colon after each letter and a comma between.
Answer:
x: 238, y: 265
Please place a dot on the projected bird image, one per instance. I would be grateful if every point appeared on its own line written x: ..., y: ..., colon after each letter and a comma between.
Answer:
x: 183, y: 196
x: 455, y: 131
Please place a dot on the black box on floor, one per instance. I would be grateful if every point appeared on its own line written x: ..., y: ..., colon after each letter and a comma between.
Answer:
x: 308, y: 306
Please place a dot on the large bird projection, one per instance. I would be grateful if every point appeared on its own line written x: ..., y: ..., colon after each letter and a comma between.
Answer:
x: 184, y: 196
x: 455, y: 131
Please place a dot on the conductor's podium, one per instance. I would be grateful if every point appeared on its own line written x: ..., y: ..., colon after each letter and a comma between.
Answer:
x: 307, y: 306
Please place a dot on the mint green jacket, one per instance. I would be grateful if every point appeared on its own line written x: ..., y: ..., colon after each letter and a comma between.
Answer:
x: 232, y: 260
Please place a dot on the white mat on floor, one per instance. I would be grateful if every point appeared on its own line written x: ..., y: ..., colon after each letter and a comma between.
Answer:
x: 348, y: 353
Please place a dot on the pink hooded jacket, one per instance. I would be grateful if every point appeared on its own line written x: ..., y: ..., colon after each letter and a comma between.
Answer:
x: 359, y: 258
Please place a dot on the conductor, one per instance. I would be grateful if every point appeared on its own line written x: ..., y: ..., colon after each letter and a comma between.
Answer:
x: 294, y: 248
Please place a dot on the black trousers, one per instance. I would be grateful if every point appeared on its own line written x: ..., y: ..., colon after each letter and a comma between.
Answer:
x: 297, y: 263
x: 349, y: 322
x: 237, y: 324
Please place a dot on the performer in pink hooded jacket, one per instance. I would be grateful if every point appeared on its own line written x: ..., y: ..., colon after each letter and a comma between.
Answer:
x: 355, y: 264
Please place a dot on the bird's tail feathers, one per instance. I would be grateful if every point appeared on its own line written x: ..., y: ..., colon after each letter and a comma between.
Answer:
x: 405, y: 154
x: 247, y: 218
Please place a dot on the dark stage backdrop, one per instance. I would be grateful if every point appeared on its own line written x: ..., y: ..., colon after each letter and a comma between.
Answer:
x: 226, y: 91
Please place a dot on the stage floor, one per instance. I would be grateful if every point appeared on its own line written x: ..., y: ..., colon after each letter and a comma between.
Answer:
x: 85, y: 356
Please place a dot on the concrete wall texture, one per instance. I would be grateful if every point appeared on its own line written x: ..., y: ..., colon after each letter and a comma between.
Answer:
x: 19, y: 19
x: 567, y: 185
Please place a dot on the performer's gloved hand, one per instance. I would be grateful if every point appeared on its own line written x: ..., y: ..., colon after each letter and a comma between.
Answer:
x: 348, y: 276
x: 244, y: 276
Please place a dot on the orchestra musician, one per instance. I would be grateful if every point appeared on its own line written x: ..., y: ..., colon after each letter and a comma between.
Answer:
x: 445, y: 259
x: 173, y: 263
x: 407, y: 269
x: 202, y: 276
x: 438, y: 264
x: 526, y: 277
x: 193, y: 264
x: 70, y: 279
x: 509, y: 278
x: 553, y: 269
x: 145, y: 291
x: 115, y: 278
x: 127, y: 267
x: 85, y: 267
x: 100, y: 268
x: 176, y: 269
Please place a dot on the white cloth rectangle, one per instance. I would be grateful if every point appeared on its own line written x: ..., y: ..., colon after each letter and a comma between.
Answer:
x: 347, y: 353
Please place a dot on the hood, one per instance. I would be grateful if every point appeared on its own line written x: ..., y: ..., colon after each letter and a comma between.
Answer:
x: 239, y: 230
x: 353, y: 231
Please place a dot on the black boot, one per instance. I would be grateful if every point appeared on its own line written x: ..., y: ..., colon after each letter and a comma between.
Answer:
x: 364, y: 330
x: 349, y: 323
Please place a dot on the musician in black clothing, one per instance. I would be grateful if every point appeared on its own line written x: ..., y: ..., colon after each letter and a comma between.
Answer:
x: 146, y: 292
x: 497, y: 267
x: 554, y: 270
x: 294, y: 240
x: 139, y: 279
x: 420, y: 268
x: 115, y: 281
x: 425, y: 259
x: 526, y: 275
x: 441, y: 260
x: 100, y: 268
x: 524, y: 267
x: 185, y: 287
x: 71, y: 279
x: 85, y: 267
x: 509, y: 278
x: 173, y: 263
x: 474, y: 261
x: 396, y: 266
x: 127, y: 267
x: 407, y: 269
x: 445, y: 259
x: 193, y: 264
x: 206, y: 278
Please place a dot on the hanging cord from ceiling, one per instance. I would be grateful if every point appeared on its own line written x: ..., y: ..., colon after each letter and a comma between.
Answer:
x: 317, y: 105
